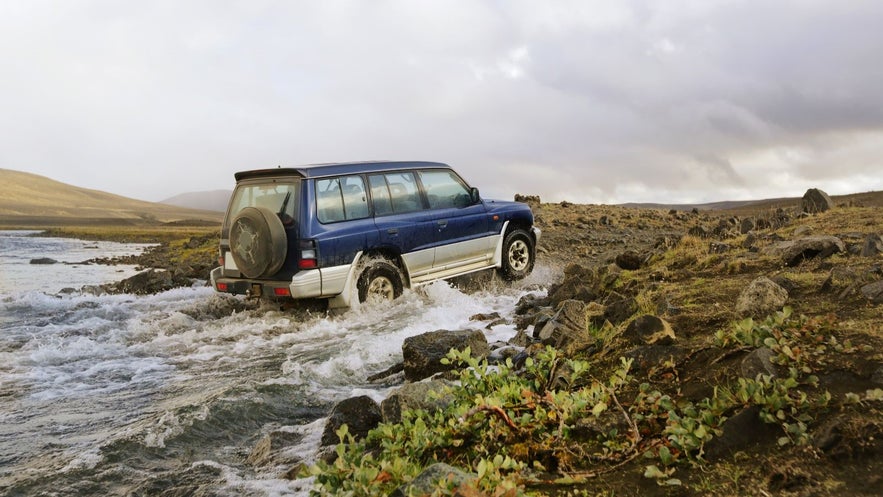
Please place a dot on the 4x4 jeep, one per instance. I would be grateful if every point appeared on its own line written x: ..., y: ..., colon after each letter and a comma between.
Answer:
x: 368, y: 229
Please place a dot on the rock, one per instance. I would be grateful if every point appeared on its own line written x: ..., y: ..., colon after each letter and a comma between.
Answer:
x: 629, y: 260
x: 492, y: 316
x: 619, y: 310
x: 815, y: 201
x: 741, y: 432
x: 427, y: 482
x: 268, y: 448
x: 873, y: 245
x: 423, y: 353
x: 149, y: 282
x: 425, y: 395
x: 44, y: 261
x: 360, y: 414
x: 567, y: 330
x: 802, y: 231
x: 649, y: 329
x: 761, y: 298
x: 759, y: 361
x: 746, y: 226
x: 531, y: 200
x: 646, y: 357
x: 698, y: 232
x: 719, y: 248
x: 785, y: 283
x: 749, y: 241
x: 874, y: 292
x: 794, y: 252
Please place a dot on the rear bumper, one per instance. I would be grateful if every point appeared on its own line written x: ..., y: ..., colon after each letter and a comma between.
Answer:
x: 306, y: 284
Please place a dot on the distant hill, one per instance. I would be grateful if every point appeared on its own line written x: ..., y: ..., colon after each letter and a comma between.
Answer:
x: 213, y: 200
x: 33, y: 200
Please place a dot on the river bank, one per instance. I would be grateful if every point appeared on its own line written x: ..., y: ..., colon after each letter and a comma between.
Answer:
x: 666, y: 291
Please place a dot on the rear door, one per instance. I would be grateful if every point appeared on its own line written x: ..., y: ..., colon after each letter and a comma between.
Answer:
x: 402, y: 221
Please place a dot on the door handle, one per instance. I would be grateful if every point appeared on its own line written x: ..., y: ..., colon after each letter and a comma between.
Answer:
x: 442, y: 223
x: 393, y: 231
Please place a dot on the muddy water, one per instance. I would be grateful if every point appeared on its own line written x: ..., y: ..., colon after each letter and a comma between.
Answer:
x: 121, y: 395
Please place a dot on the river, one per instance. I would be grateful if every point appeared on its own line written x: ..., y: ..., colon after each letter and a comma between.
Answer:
x: 140, y: 395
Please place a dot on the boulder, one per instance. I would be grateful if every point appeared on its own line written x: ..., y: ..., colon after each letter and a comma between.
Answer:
x: 649, y: 329
x: 873, y: 292
x: 794, y: 252
x: 746, y: 225
x: 619, y: 310
x: 815, y: 201
x: 761, y: 298
x: 425, y: 395
x: 423, y: 353
x: 360, y: 414
x: 427, y: 482
x: 873, y: 246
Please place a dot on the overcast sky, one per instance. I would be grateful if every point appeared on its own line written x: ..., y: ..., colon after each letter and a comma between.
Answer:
x: 594, y: 102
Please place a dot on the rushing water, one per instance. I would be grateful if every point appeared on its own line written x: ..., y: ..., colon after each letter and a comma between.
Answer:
x: 123, y: 395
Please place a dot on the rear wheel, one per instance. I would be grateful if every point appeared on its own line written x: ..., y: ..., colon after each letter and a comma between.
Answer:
x: 518, y: 255
x: 380, y: 281
x: 258, y: 242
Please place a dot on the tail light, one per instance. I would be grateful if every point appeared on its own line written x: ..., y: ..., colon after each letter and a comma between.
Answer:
x: 221, y: 259
x: 222, y: 287
x: 281, y: 292
x: 309, y: 258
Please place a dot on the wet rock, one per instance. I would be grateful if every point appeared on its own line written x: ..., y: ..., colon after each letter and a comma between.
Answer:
x: 485, y: 316
x: 629, y: 260
x: 759, y: 362
x: 794, y: 252
x: 44, y: 261
x: 426, y: 483
x: 360, y: 414
x: 521, y: 339
x: 423, y: 353
x: 426, y: 395
x: 873, y: 292
x: 149, y: 282
x: 873, y: 246
x: 761, y: 298
x: 649, y: 329
x: 268, y: 448
x: 815, y: 201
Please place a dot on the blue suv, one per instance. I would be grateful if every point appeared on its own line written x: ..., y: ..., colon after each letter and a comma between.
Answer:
x: 364, y: 230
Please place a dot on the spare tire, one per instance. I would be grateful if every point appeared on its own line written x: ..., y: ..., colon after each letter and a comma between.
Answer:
x: 258, y: 242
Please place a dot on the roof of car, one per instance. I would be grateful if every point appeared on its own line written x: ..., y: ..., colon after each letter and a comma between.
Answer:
x: 337, y: 168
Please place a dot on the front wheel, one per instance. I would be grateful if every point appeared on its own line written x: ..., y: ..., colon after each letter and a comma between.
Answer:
x: 518, y: 255
x: 381, y: 281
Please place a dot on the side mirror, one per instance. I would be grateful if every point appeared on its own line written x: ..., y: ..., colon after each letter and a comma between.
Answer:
x: 474, y: 196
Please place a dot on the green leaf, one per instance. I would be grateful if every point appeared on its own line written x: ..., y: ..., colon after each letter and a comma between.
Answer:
x: 599, y: 408
x: 654, y: 472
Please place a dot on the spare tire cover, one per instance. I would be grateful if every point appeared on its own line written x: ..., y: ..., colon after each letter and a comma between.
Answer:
x: 258, y: 242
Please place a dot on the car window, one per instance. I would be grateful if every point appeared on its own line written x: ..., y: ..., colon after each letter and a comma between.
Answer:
x: 380, y: 194
x: 444, y: 189
x: 403, y: 192
x: 339, y: 199
x: 280, y: 198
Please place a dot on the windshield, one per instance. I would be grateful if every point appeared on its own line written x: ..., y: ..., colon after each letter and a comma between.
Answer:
x: 280, y: 198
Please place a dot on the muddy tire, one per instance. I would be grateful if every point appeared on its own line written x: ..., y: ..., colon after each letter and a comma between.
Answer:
x: 258, y: 242
x: 519, y: 255
x: 380, y: 281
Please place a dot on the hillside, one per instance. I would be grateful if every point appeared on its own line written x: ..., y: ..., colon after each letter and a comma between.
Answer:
x: 33, y: 200
x: 212, y: 200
